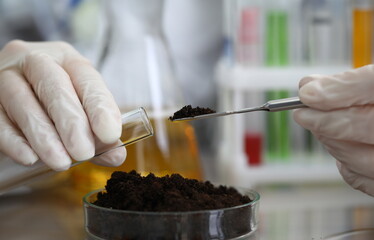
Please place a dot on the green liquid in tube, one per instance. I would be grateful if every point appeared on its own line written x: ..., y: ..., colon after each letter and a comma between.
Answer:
x: 276, y: 38
x: 278, y: 139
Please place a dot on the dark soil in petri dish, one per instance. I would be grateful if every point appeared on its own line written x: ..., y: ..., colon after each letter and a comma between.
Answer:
x: 171, y: 193
x: 189, y: 111
x: 168, y: 208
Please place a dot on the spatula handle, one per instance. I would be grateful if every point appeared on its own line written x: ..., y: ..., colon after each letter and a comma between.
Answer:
x: 284, y: 104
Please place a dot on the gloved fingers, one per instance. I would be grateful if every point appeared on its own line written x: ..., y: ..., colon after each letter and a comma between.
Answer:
x: 308, y: 79
x: 327, y: 92
x: 112, y: 158
x: 99, y: 104
x: 16, y: 50
x: 13, y: 143
x: 358, y: 156
x: 24, y: 110
x: 357, y: 181
x: 53, y: 88
x: 351, y: 124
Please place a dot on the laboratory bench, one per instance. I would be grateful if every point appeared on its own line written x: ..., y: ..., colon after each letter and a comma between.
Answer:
x: 287, y: 212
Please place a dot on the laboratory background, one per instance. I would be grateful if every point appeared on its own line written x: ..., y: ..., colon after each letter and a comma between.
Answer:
x: 223, y: 54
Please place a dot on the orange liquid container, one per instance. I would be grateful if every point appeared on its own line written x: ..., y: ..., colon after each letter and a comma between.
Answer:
x: 176, y: 153
x: 173, y: 149
x: 362, y: 37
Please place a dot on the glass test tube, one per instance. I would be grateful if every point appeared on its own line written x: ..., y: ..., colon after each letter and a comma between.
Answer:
x: 248, y: 42
x: 254, y: 130
x: 320, y: 30
x: 362, y: 42
x: 276, y: 55
x: 135, y: 127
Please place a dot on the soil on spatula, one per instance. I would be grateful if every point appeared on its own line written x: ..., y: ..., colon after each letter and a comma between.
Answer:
x: 189, y: 111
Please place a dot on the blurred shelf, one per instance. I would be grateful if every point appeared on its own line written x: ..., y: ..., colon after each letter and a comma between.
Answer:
x: 288, y: 173
x: 320, y: 197
x: 243, y: 78
x: 237, y: 172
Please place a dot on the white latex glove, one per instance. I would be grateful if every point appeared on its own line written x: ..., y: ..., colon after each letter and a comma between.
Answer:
x: 54, y: 106
x: 341, y: 116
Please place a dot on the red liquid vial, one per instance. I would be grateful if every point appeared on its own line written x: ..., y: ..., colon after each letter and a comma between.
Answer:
x: 253, y: 148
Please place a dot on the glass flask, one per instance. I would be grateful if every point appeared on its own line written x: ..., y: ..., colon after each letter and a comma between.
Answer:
x: 136, y: 66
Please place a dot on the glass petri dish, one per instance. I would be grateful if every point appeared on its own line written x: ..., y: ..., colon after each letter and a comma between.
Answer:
x: 362, y: 234
x: 239, y: 222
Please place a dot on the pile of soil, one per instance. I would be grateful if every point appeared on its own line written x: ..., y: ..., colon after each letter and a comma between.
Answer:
x: 172, y: 193
x: 189, y: 111
x: 157, y: 209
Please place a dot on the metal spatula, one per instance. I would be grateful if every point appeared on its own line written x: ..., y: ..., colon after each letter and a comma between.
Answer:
x: 270, y: 106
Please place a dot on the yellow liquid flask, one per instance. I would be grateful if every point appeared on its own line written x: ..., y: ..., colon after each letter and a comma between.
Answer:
x: 138, y: 71
x: 136, y: 126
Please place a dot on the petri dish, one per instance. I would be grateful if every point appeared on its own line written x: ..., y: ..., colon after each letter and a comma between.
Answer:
x: 239, y: 222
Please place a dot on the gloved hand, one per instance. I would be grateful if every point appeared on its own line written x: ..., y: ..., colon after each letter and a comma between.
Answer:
x: 54, y: 106
x: 341, y: 116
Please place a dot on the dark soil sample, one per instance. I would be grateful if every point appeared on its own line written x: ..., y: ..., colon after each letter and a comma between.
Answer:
x: 130, y: 191
x: 188, y: 111
x: 159, y: 207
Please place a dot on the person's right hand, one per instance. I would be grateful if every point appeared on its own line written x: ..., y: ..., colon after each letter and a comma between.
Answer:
x: 341, y: 116
x: 54, y: 106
